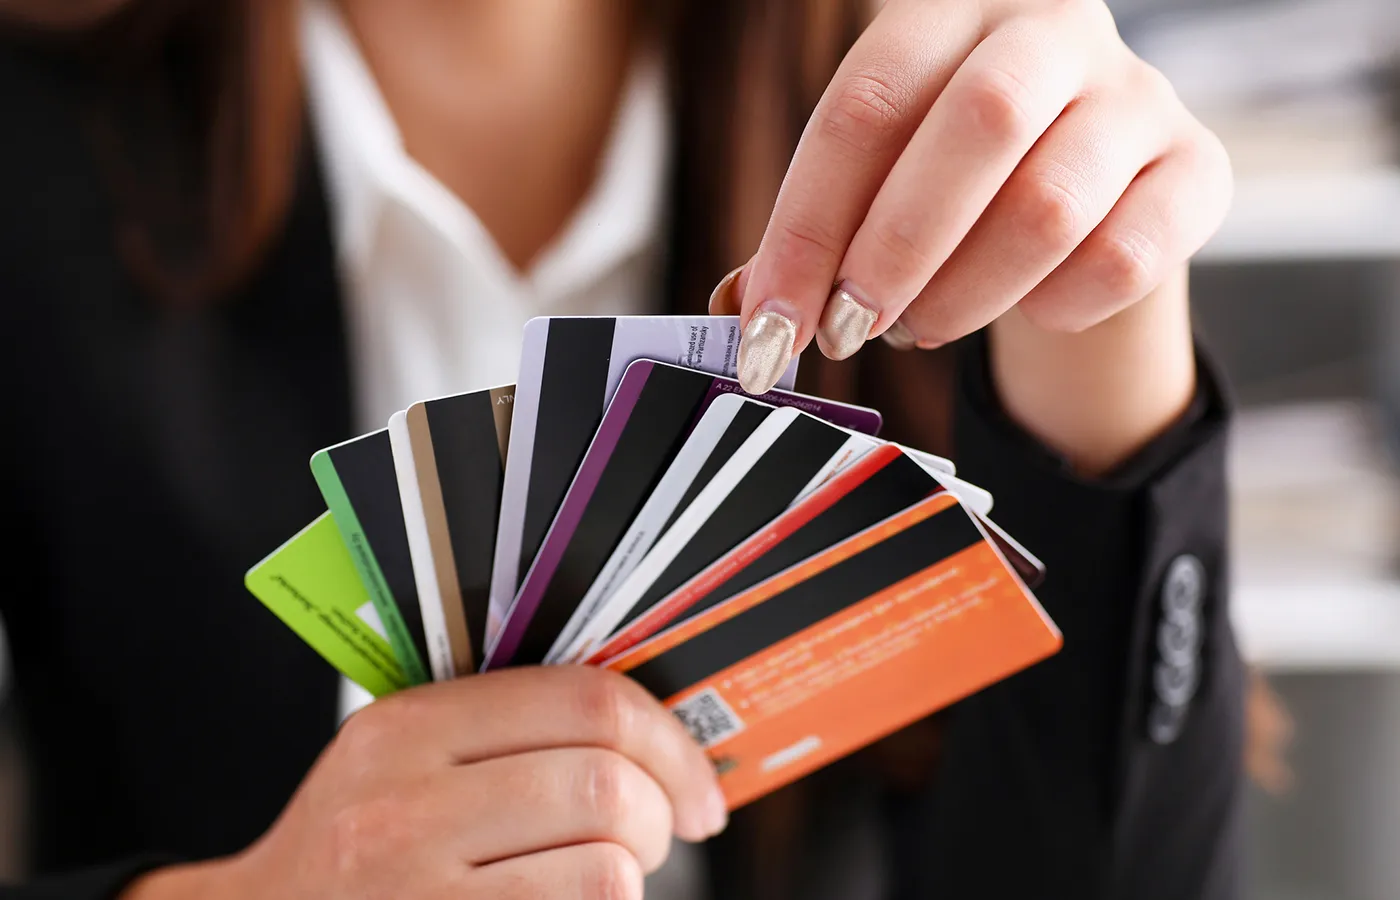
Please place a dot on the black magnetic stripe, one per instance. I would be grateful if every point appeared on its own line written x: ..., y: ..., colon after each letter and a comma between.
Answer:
x: 739, y: 429
x: 468, y: 459
x: 805, y: 604
x: 896, y: 486
x: 572, y: 386
x: 768, y: 488
x: 653, y: 435
x: 366, y: 471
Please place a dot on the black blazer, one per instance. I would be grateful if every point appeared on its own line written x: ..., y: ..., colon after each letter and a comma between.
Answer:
x: 151, y: 454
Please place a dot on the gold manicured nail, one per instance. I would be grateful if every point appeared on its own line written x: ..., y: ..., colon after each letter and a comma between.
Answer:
x: 899, y: 337
x: 722, y: 299
x: 845, y: 324
x: 765, y: 351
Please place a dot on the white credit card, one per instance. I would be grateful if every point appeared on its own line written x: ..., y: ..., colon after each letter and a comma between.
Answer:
x: 449, y: 457
x: 569, y: 369
x: 722, y: 429
x: 415, y: 523
x: 789, y: 454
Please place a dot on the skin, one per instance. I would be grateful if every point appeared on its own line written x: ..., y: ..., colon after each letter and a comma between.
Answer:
x: 974, y: 161
x: 1005, y: 162
x: 545, y: 782
x: 521, y: 146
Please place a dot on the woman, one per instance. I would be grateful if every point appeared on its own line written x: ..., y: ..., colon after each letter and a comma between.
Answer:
x: 240, y: 231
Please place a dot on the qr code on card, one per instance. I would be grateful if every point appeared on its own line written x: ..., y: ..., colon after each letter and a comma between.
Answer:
x: 708, y: 718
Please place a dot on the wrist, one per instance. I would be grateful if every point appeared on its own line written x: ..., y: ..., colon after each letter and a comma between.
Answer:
x: 1098, y: 396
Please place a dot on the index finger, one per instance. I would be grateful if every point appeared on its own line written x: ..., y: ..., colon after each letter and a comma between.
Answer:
x: 526, y: 709
x: 880, y: 94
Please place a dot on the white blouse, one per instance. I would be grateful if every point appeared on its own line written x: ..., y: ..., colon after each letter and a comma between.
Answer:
x: 433, y: 307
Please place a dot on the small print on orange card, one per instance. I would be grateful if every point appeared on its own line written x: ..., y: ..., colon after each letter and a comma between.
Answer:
x: 820, y: 660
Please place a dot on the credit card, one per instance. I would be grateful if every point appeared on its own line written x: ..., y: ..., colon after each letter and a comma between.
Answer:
x: 881, y: 483
x: 788, y: 456
x: 570, y: 368
x: 654, y: 409
x: 746, y: 422
x: 312, y: 585
x: 722, y: 429
x: 359, y: 483
x: 876, y: 632
x: 875, y: 487
x: 449, y: 454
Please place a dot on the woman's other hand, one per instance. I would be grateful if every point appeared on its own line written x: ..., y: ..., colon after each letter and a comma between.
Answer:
x: 972, y: 157
x: 562, y: 782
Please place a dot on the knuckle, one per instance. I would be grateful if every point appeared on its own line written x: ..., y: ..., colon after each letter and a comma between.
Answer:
x: 995, y: 105
x: 807, y: 242
x: 1097, y: 12
x: 865, y: 111
x: 611, y: 873
x: 606, y: 788
x: 1049, y: 214
x: 1094, y: 14
x: 387, y: 721
x: 1210, y: 157
x: 903, y: 250
x: 1126, y: 265
x: 1152, y: 83
x: 363, y: 735
x: 608, y: 708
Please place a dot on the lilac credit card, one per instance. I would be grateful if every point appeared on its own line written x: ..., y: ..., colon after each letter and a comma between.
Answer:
x: 570, y: 367
x: 653, y: 412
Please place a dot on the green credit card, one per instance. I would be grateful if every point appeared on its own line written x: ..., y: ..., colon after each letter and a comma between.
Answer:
x: 361, y: 488
x: 312, y: 584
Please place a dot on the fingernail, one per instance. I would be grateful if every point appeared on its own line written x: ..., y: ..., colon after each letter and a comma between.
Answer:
x: 716, y: 812
x: 765, y: 351
x: 900, y: 337
x: 845, y: 324
x: 722, y: 299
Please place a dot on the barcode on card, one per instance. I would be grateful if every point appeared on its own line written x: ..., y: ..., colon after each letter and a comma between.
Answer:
x: 708, y: 718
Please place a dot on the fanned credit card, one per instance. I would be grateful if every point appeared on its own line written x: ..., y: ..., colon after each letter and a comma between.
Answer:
x: 789, y: 583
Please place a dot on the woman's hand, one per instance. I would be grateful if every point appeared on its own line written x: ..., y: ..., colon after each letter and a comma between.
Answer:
x: 562, y: 782
x: 972, y: 156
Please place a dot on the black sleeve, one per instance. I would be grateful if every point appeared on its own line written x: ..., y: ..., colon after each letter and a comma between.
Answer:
x: 1114, y: 769
x: 17, y: 557
x: 100, y: 883
x: 24, y: 559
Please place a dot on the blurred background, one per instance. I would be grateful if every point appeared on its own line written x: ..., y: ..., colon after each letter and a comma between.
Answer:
x: 1299, y: 297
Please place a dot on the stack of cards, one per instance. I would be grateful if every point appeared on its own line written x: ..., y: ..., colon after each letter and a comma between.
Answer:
x: 789, y: 584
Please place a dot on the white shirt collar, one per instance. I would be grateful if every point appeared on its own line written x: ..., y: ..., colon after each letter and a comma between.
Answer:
x: 366, y: 167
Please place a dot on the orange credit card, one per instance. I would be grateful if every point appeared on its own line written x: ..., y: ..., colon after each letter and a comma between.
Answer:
x: 874, y: 633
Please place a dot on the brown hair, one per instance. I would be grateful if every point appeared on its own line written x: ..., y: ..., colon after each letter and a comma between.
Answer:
x: 194, y: 213
x: 745, y: 76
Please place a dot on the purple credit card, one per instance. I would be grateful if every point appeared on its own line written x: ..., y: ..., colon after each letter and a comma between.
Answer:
x: 844, y: 415
x: 653, y: 412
